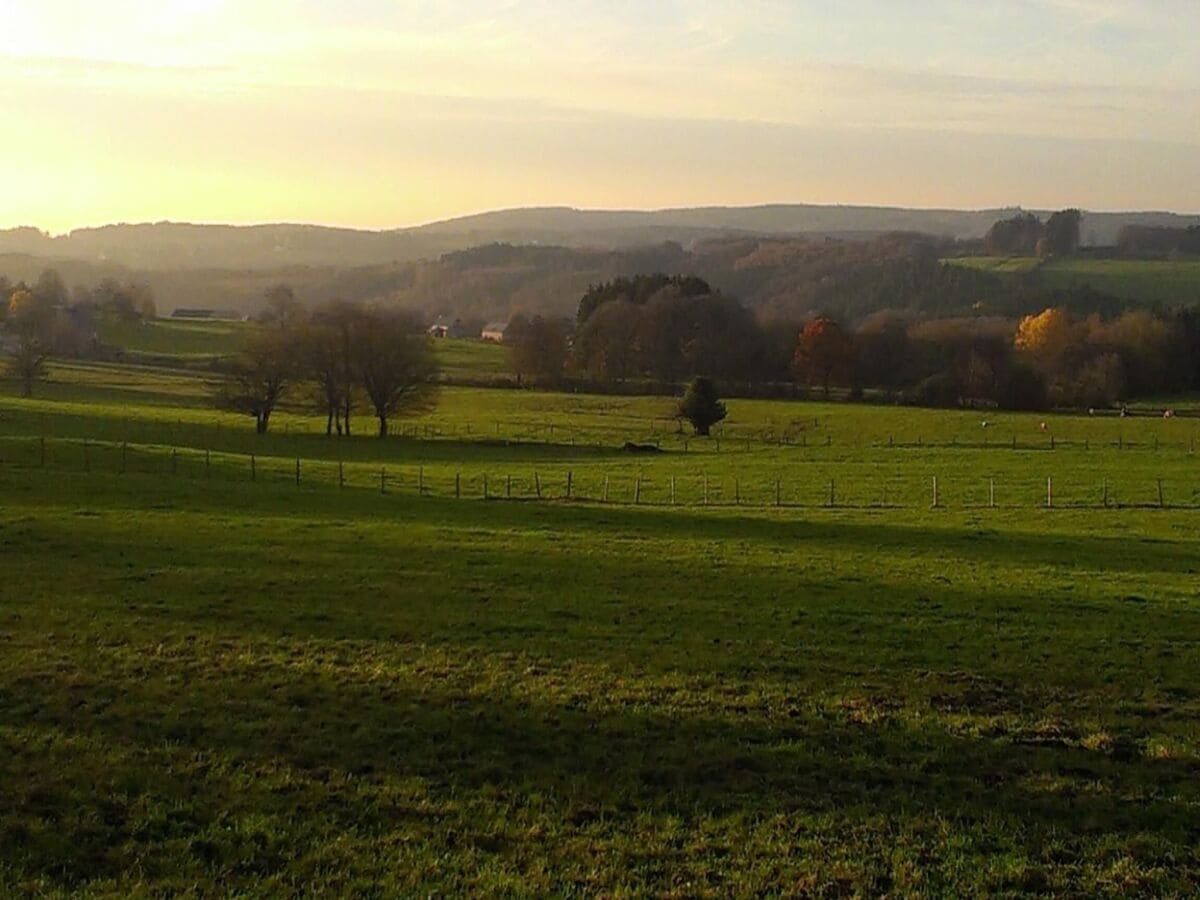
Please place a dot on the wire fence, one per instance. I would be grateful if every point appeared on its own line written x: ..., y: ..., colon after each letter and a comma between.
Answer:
x: 812, y: 488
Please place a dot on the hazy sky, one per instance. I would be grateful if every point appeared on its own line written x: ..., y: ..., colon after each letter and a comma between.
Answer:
x: 376, y: 113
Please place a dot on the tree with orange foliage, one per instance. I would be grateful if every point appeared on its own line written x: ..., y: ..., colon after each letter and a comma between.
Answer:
x: 1046, y: 336
x: 824, y: 352
x: 29, y: 322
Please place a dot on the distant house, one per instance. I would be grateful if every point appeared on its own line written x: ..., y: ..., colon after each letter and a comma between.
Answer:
x: 446, y: 329
x: 494, y: 332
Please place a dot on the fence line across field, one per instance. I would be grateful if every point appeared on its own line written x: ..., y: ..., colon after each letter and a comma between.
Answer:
x: 701, y: 489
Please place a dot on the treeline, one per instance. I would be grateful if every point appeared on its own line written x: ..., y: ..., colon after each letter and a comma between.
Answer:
x: 335, y: 359
x: 1026, y: 235
x: 1149, y: 241
x: 667, y: 329
x: 45, y: 319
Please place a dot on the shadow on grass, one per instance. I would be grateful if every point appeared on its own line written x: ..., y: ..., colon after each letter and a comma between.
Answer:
x: 177, y: 765
x: 860, y: 531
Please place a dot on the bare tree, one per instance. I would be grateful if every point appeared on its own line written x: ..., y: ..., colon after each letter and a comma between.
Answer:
x: 281, y: 306
x: 326, y: 349
x: 395, y: 364
x: 259, y: 376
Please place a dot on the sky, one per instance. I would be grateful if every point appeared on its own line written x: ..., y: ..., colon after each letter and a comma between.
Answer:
x: 379, y: 113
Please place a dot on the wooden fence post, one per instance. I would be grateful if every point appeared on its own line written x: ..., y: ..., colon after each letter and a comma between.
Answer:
x: 458, y: 485
x: 569, y: 484
x: 637, y: 490
x: 507, y: 486
x: 253, y: 468
x: 537, y: 485
x: 1160, y: 494
x: 605, y: 495
x: 777, y: 497
x: 1049, y: 492
x: 737, y: 492
x: 991, y: 493
x: 485, y: 484
x: 935, y: 493
x: 706, y: 490
x: 1104, y: 493
x: 297, y: 471
x: 832, y: 494
x: 672, y: 490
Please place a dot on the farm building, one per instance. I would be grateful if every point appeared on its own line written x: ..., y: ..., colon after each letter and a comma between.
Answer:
x: 443, y: 328
x: 494, y: 332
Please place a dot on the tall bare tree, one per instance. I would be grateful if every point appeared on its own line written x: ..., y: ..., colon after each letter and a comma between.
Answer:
x: 395, y: 364
x: 257, y: 379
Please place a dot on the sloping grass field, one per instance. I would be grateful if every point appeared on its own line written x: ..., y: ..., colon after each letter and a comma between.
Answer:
x: 176, y: 343
x: 1164, y: 282
x: 218, y: 676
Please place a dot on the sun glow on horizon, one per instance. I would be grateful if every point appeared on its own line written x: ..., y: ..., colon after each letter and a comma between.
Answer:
x: 379, y: 114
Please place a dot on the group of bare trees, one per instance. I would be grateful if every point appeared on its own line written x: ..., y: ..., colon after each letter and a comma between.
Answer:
x: 335, y: 359
x: 45, y: 319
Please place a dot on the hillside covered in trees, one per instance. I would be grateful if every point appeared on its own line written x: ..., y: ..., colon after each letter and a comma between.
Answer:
x: 775, y: 277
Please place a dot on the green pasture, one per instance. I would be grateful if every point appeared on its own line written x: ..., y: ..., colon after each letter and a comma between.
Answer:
x: 176, y: 343
x: 217, y: 677
x: 1164, y: 282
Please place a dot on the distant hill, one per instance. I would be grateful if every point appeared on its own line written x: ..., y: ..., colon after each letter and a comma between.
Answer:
x: 167, y: 245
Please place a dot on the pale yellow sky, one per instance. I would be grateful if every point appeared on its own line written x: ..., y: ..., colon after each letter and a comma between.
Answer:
x: 377, y: 114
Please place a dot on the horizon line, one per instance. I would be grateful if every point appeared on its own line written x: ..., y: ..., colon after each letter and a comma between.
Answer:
x: 275, y: 223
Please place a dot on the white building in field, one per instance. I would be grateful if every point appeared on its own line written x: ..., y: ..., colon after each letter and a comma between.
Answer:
x: 494, y: 332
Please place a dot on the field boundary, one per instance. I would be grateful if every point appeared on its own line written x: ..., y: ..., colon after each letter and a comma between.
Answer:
x: 617, y: 486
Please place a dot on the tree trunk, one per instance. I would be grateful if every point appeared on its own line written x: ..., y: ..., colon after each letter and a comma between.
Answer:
x: 27, y: 387
x: 261, y: 422
x: 329, y: 423
x: 346, y: 417
x: 702, y: 430
x: 383, y: 426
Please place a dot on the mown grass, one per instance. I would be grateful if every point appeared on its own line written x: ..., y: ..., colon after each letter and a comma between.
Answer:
x: 213, y: 685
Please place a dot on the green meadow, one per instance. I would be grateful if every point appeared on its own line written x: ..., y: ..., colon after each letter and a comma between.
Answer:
x: 760, y: 663
x: 1165, y: 282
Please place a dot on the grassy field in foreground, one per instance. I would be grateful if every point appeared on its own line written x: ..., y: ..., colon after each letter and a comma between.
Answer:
x: 1166, y: 282
x: 212, y: 685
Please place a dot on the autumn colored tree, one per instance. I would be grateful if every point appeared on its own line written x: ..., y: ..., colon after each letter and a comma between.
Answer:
x: 824, y: 352
x: 1047, y: 336
x: 29, y: 323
